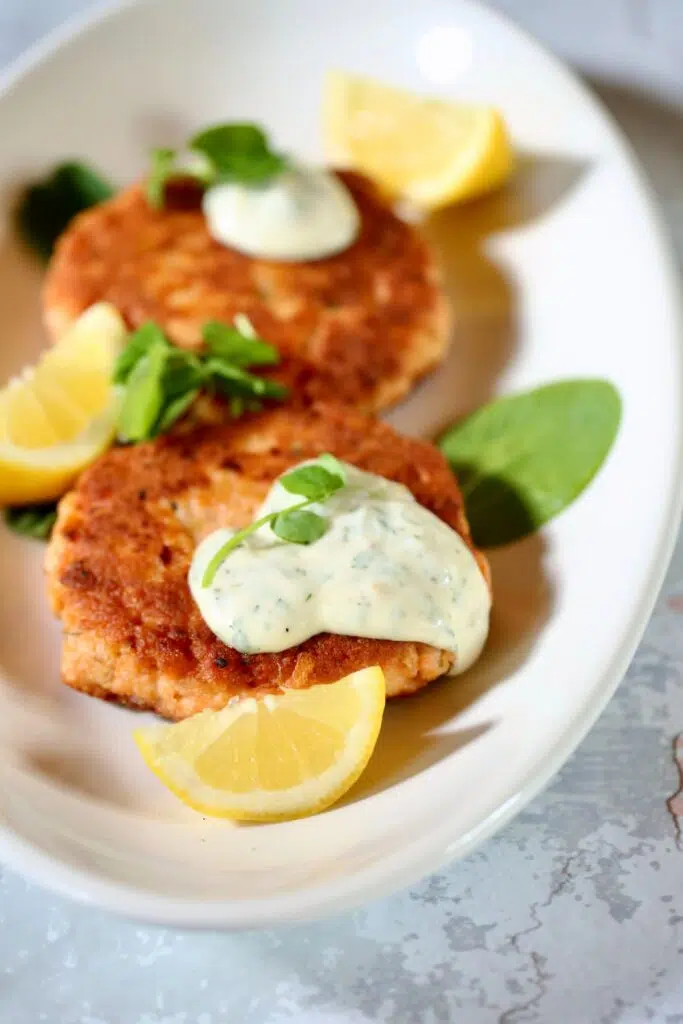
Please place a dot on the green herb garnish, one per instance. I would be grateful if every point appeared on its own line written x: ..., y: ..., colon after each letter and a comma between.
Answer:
x: 46, y: 208
x: 163, y: 168
x: 176, y: 408
x: 522, y: 459
x: 239, y: 345
x: 139, y: 344
x: 233, y: 380
x: 299, y: 526
x: 143, y: 401
x: 161, y: 381
x: 316, y: 482
x: 168, y: 164
x: 238, y: 152
x: 223, y: 152
x: 32, y: 520
x: 313, y: 481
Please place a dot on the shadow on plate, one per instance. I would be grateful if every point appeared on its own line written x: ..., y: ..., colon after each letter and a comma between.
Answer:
x: 414, y: 733
x: 29, y: 637
x: 52, y: 731
x: 482, y: 292
x: 21, y: 277
x: 654, y: 126
x: 80, y: 773
x: 154, y: 129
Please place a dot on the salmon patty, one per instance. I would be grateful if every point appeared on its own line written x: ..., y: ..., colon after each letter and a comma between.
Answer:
x: 120, y: 553
x: 359, y: 327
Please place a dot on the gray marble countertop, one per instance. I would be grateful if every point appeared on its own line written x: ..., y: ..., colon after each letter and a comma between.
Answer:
x: 574, y: 913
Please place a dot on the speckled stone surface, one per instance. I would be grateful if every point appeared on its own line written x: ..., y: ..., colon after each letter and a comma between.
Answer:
x: 574, y: 913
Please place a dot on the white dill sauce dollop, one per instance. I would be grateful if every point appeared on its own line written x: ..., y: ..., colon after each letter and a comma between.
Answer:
x: 303, y: 213
x: 385, y: 568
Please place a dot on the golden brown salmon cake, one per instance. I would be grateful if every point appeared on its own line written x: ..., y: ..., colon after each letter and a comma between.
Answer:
x: 119, y: 556
x: 365, y: 324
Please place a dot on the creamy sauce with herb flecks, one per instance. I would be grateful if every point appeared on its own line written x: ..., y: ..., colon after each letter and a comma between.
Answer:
x: 303, y: 213
x: 385, y: 568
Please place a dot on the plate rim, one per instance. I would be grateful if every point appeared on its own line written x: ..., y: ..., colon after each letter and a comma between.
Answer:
x: 415, y: 860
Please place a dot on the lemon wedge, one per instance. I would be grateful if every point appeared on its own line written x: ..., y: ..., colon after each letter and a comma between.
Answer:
x: 59, y: 415
x: 428, y: 151
x: 283, y: 756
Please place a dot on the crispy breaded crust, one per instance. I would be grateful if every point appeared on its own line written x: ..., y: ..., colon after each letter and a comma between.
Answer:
x: 360, y: 327
x: 118, y: 560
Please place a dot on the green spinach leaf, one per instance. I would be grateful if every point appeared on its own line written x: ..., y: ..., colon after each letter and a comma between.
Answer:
x: 47, y: 207
x: 34, y: 521
x: 522, y: 459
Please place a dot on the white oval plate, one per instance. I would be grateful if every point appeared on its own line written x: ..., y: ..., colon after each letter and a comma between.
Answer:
x: 565, y: 274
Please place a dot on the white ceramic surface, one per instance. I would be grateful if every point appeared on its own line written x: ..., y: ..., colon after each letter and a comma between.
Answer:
x: 564, y: 274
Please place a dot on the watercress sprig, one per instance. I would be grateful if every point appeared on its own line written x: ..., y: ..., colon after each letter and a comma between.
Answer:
x: 223, y: 152
x: 315, y: 482
x: 161, y: 381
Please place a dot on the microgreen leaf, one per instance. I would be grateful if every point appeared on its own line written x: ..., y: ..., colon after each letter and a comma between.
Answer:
x: 289, y: 524
x: 234, y: 542
x: 274, y: 389
x: 161, y: 171
x: 244, y: 325
x: 161, y: 381
x: 168, y: 164
x: 223, y: 152
x: 173, y: 410
x: 236, y: 346
x: 312, y: 481
x: 143, y: 399
x: 47, y: 207
x: 238, y: 152
x: 299, y: 526
x: 232, y: 380
x: 183, y: 371
x: 332, y: 465
x: 169, y: 384
x: 238, y: 406
x: 138, y: 345
x: 34, y: 521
